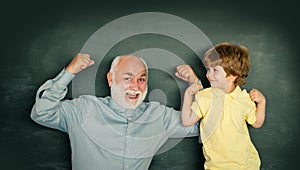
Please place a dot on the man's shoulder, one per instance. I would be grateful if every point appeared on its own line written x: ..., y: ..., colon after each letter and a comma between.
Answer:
x: 153, y: 105
x: 92, y: 98
x: 88, y: 97
x: 158, y: 107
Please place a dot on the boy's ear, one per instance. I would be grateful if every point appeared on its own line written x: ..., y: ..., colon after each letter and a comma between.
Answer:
x: 233, y: 78
x: 109, y: 78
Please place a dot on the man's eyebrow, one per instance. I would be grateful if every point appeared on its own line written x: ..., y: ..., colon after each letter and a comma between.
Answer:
x: 130, y: 74
x: 144, y: 75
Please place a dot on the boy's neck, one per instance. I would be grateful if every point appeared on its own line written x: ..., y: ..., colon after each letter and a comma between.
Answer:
x: 230, y: 88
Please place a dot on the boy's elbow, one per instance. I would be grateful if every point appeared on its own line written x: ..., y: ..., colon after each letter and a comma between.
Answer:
x: 257, y: 124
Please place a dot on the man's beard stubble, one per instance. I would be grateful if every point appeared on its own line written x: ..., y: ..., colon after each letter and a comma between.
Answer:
x: 118, y: 95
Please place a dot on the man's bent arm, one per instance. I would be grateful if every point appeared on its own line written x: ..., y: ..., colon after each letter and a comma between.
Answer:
x: 47, y: 109
x: 173, y: 124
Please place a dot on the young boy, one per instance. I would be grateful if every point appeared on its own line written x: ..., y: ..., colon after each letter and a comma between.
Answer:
x: 225, y: 109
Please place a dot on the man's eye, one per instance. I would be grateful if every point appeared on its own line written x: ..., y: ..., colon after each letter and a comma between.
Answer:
x: 127, y: 78
x: 142, y: 79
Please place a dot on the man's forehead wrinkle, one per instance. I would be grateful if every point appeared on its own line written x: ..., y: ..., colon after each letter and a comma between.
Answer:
x: 142, y: 72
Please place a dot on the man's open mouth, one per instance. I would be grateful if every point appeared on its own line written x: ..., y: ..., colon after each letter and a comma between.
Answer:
x: 133, y: 95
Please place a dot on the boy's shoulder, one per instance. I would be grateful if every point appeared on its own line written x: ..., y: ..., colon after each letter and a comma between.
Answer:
x: 243, y: 93
x: 243, y: 98
x: 206, y: 93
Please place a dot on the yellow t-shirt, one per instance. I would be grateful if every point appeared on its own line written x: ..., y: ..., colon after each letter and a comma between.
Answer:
x: 227, y: 144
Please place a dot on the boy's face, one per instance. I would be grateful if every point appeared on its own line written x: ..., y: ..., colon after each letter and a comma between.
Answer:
x: 216, y: 76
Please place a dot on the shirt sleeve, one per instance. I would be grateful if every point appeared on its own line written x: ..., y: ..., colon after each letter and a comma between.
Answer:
x: 174, y: 127
x: 200, y: 104
x: 49, y: 109
x: 250, y: 109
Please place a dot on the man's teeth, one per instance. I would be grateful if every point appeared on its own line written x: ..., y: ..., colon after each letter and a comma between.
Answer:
x: 133, y: 93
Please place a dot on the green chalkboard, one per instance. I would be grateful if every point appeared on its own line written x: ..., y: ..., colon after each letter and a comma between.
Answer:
x: 40, y: 38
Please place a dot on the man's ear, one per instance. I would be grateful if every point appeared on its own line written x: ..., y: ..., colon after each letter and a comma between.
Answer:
x: 109, y: 79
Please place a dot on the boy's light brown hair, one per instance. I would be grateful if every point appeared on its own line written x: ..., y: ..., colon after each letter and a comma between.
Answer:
x: 233, y: 58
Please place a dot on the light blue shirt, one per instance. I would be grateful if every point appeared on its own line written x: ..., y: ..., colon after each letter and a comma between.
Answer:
x: 102, y: 134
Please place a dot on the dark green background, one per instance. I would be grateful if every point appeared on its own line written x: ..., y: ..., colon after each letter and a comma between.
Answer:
x: 39, y: 38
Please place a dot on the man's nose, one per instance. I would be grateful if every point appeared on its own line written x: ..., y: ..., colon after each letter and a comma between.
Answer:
x: 133, y: 84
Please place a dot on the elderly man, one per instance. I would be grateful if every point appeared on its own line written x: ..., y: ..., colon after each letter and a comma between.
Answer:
x: 117, y: 132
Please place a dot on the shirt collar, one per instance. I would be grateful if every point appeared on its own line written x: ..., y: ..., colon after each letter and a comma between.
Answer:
x: 131, y: 114
x: 235, y: 93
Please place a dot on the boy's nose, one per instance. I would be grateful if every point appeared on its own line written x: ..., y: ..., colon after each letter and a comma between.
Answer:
x: 208, y: 74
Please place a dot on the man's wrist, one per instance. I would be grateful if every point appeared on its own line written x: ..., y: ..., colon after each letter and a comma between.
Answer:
x: 64, y: 78
x: 69, y: 70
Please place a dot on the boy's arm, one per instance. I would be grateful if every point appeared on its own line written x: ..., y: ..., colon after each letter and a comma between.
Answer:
x: 186, y: 73
x: 187, y: 115
x: 260, y: 99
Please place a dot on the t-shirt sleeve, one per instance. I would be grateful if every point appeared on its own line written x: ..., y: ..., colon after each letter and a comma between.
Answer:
x: 250, y: 110
x: 200, y: 104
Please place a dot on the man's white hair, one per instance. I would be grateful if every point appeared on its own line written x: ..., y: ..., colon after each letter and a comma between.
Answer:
x: 116, y: 62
